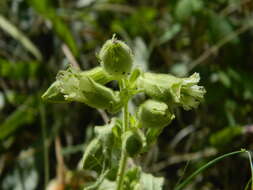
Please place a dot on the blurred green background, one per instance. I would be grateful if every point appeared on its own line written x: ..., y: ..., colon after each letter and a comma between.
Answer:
x: 40, y: 37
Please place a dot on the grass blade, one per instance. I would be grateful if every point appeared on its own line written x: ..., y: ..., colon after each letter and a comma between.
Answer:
x: 251, y: 167
x: 18, y: 35
x: 188, y: 180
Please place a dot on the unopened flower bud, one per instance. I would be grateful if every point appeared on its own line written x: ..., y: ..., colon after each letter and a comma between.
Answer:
x: 133, y: 143
x: 154, y: 114
x: 116, y: 58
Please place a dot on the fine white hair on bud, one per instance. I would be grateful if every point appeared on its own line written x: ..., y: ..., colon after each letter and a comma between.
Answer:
x: 116, y: 58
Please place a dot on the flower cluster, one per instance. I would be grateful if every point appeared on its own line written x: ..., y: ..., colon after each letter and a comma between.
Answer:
x: 136, y: 133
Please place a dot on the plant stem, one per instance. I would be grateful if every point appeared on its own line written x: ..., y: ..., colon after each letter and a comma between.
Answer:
x: 123, y: 159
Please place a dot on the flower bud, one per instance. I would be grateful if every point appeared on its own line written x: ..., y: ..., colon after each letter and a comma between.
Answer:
x: 173, y: 90
x: 133, y: 143
x: 154, y: 114
x: 116, y: 58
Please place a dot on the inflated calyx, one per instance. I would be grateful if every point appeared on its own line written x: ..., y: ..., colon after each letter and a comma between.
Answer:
x: 72, y: 85
x: 173, y: 90
x: 133, y: 143
x: 154, y: 114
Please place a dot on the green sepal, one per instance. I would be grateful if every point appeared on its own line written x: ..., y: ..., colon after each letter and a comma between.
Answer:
x: 134, y: 76
x: 98, y: 74
x: 97, y: 95
x: 53, y: 93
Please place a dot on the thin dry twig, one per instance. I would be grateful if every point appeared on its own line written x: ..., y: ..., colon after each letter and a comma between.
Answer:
x: 115, y: 8
x: 183, y: 158
x: 233, y: 7
x: 61, y: 168
x: 221, y: 43
x: 104, y: 115
x: 70, y: 56
x: 225, y: 12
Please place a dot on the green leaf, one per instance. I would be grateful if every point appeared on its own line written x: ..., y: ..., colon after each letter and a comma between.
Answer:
x: 19, y: 36
x: 103, y: 152
x: 185, y: 8
x: 106, y: 135
x: 219, y: 27
x: 98, y: 182
x: 225, y: 136
x: 107, y: 185
x: 18, y: 70
x: 135, y: 179
x: 151, y: 136
x: 224, y: 78
x: 132, y: 179
x: 93, y: 156
x: 45, y: 9
x: 149, y: 182
x: 24, y: 114
x: 169, y: 33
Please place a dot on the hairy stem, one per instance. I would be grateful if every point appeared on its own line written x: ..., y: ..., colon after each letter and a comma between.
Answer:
x: 123, y: 159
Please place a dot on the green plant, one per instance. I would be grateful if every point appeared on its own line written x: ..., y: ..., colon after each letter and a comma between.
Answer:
x: 124, y: 138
